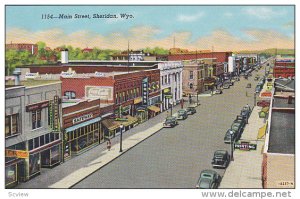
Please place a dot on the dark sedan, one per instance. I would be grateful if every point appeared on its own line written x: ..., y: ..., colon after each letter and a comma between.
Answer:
x: 170, y: 122
x: 221, y: 159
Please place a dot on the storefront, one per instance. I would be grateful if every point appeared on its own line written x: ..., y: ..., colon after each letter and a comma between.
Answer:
x: 82, y: 136
x: 14, y: 171
x: 111, y: 127
x: 153, y: 111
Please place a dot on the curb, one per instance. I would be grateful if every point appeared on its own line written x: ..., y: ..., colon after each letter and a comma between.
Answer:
x: 124, y: 151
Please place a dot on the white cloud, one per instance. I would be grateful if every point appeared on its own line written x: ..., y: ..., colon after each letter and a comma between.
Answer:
x: 190, y: 18
x: 264, y: 13
x: 145, y: 36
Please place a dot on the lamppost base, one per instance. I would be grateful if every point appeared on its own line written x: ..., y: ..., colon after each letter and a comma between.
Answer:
x: 121, y: 151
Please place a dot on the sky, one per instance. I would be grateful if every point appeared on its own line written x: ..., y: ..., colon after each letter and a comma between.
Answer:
x: 221, y: 28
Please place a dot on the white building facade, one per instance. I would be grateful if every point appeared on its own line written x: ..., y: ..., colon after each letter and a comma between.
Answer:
x: 170, y: 83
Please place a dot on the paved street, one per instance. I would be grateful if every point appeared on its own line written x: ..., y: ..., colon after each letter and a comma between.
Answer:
x: 173, y: 158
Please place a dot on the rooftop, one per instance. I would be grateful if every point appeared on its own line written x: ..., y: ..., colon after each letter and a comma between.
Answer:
x: 282, y: 132
x: 284, y: 84
x: 280, y: 102
x: 31, y: 83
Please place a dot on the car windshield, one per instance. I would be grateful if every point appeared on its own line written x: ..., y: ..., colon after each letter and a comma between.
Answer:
x: 220, y: 153
x: 206, y: 175
x: 169, y: 119
x: 181, y: 111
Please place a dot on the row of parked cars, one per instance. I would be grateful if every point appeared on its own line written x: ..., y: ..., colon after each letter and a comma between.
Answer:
x: 181, y: 114
x: 260, y: 84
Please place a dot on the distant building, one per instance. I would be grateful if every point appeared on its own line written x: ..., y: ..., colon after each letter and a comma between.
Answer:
x: 32, y: 48
x: 220, y: 56
x: 134, y: 56
x: 87, y: 50
x: 284, y: 68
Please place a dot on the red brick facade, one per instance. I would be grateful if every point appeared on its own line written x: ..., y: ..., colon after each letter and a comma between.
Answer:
x: 221, y: 56
x: 80, y: 109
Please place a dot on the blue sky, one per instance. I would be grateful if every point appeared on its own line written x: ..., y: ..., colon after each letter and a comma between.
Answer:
x: 192, y: 26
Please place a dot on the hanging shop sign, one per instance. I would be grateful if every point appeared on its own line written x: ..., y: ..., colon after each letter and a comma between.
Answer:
x: 145, y: 91
x: 16, y: 153
x: 56, y: 126
x: 82, y: 118
x: 40, y: 105
x: 245, y: 146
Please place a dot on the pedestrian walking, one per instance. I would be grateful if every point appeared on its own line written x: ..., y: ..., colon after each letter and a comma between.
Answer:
x: 108, y: 144
x: 190, y: 98
x: 181, y: 103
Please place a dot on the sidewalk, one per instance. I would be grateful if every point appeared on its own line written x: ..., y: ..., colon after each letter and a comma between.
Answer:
x: 72, y: 171
x: 245, y: 170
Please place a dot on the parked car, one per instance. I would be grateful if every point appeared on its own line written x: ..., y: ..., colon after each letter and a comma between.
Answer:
x: 248, y: 85
x: 239, y: 119
x: 182, y: 114
x: 238, y: 130
x: 208, y: 179
x: 263, y: 103
x: 191, y: 110
x: 226, y: 86
x: 257, y: 89
x: 221, y: 159
x: 170, y: 122
x: 218, y: 91
x: 245, y: 114
x: 227, y: 137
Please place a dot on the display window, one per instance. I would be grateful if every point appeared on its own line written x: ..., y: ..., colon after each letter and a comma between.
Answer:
x: 90, y: 139
x: 34, y: 164
x: 55, y: 157
x: 10, y: 174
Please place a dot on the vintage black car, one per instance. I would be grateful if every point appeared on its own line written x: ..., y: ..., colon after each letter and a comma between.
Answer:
x: 227, y: 137
x: 221, y: 159
x: 170, y: 122
x: 245, y: 114
x: 240, y: 119
x: 182, y: 114
x: 191, y: 110
x: 208, y: 179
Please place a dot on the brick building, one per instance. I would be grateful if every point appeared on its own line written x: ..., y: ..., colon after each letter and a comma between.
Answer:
x: 284, y: 68
x: 32, y: 48
x: 220, y: 56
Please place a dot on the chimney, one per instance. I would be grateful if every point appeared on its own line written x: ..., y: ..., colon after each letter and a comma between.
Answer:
x: 17, y: 74
x: 290, y: 99
x: 65, y: 56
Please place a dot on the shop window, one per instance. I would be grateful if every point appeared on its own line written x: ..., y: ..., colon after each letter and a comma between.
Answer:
x: 191, y: 75
x: 90, y: 139
x: 56, y: 136
x: 36, y: 119
x: 166, y: 79
x: 36, y: 142
x: 96, y: 136
x: 74, y: 145
x: 11, y: 125
x: 70, y: 94
x: 10, y: 174
x: 30, y: 144
x: 51, y: 137
x: 55, y: 157
x: 47, y: 140
x: 162, y: 80
x: 82, y: 142
x: 34, y: 164
x: 42, y: 140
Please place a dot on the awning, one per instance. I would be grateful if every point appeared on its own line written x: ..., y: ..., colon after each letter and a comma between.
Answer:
x: 137, y: 100
x: 72, y: 128
x: 111, y: 124
x: 262, y: 131
x: 154, y: 109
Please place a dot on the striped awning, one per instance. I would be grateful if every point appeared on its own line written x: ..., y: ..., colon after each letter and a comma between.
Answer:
x: 72, y: 128
x: 154, y: 109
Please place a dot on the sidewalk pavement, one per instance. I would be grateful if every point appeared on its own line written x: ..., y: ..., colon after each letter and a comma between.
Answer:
x: 245, y: 170
x: 77, y: 168
x: 105, y: 157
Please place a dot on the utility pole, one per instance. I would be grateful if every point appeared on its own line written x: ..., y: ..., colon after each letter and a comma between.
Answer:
x: 128, y: 57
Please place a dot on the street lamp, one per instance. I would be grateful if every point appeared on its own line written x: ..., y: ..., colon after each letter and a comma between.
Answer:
x: 231, y: 145
x: 121, y: 129
x: 171, y: 103
x: 254, y: 98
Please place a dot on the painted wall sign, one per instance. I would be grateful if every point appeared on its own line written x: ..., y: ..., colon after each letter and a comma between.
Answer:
x: 40, y: 105
x: 102, y: 92
x: 56, y: 126
x: 82, y: 118
x: 16, y: 153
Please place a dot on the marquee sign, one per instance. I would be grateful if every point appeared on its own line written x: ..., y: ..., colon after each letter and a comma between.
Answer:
x: 16, y: 153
